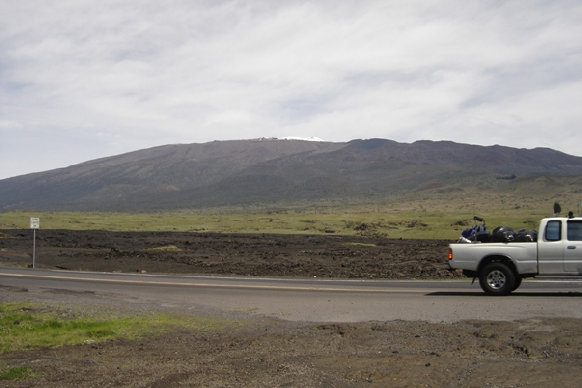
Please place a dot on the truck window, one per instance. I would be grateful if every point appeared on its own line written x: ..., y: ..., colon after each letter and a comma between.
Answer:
x: 553, y: 231
x: 575, y: 230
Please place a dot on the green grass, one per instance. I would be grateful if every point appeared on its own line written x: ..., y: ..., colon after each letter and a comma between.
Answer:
x: 26, y: 326
x: 165, y: 248
x: 409, y: 223
x: 355, y: 244
x: 418, y: 215
x: 16, y: 373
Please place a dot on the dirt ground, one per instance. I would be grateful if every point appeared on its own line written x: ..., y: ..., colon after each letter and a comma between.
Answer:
x: 227, y: 254
x: 269, y: 353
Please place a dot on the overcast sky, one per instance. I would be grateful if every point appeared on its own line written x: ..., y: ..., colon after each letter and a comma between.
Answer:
x: 81, y: 80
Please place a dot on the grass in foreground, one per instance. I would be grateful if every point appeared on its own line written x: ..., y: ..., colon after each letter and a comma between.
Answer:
x: 17, y: 373
x: 26, y: 326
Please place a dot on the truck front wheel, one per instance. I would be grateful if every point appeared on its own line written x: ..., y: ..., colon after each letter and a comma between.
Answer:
x: 497, y: 279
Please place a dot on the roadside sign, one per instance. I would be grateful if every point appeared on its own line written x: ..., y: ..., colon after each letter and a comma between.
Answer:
x: 34, y: 223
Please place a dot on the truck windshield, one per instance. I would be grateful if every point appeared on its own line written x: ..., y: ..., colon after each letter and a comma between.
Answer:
x: 575, y: 230
x: 553, y: 230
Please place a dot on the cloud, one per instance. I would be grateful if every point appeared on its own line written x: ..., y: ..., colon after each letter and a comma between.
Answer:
x: 111, y: 76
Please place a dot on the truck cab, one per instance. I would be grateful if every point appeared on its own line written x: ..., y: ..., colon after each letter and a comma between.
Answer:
x: 560, y: 247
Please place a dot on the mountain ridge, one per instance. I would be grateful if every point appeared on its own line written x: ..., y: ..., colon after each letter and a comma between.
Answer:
x: 268, y: 171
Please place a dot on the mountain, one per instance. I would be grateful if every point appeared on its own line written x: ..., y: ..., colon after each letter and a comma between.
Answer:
x: 269, y: 171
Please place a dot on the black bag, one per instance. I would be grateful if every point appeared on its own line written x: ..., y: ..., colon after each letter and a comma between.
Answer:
x: 503, y: 234
x: 526, y: 235
x: 483, y: 236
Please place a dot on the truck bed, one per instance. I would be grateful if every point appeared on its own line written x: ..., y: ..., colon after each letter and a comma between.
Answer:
x: 523, y: 254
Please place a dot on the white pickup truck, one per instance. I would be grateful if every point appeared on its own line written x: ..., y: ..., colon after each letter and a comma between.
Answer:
x: 501, y: 267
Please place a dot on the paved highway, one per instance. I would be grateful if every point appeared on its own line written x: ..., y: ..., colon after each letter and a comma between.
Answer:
x: 314, y: 300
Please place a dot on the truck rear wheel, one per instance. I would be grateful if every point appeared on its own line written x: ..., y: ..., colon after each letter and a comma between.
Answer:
x: 497, y: 279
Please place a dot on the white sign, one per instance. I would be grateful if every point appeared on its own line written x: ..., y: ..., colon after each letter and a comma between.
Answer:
x: 34, y: 223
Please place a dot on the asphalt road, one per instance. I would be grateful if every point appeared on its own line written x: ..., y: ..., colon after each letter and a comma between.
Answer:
x: 313, y: 300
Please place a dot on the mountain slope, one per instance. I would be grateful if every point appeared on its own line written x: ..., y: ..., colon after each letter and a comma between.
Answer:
x: 266, y: 171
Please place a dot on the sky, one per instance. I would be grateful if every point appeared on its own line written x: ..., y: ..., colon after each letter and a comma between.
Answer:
x: 84, y: 79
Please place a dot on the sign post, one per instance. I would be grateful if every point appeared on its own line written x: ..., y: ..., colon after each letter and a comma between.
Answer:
x: 34, y: 225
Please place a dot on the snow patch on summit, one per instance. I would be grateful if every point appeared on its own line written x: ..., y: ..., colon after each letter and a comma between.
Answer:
x: 310, y: 138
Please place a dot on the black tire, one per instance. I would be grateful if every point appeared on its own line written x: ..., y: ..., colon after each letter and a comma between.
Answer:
x: 497, y: 279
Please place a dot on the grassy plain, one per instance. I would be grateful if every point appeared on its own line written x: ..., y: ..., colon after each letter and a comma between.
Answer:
x: 16, y: 373
x: 428, y: 215
x: 25, y: 326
